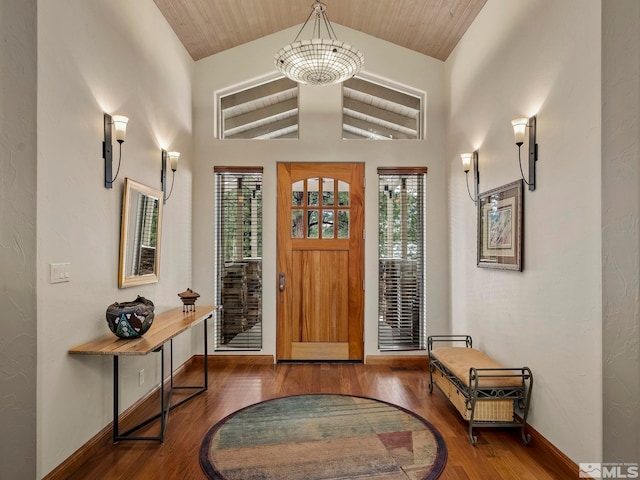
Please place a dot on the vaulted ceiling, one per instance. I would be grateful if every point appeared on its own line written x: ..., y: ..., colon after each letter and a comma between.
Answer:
x: 431, y: 27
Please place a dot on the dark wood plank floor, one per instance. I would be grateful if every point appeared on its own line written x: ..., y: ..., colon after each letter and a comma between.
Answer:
x: 499, y: 454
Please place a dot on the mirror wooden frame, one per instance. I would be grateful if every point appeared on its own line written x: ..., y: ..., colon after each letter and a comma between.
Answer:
x: 131, y: 189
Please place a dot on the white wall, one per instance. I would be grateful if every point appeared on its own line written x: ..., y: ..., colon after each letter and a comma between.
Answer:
x: 621, y: 229
x: 519, y: 59
x: 18, y: 238
x: 320, y: 140
x: 100, y: 56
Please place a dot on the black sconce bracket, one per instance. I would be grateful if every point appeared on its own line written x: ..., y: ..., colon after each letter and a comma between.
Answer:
x: 163, y: 176
x: 533, y: 153
x: 107, y: 152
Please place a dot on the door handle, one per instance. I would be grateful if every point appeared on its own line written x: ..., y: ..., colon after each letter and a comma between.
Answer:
x: 281, y: 282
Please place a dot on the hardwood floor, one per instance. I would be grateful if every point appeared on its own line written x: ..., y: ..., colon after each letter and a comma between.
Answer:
x: 499, y: 454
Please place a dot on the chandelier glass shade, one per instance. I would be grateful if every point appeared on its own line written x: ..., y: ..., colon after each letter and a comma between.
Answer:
x: 319, y: 61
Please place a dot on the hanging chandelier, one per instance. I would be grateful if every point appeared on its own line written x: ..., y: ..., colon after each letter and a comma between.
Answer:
x: 319, y: 61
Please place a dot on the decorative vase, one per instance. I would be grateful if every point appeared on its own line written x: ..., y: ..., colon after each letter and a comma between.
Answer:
x: 130, y: 319
x: 188, y: 298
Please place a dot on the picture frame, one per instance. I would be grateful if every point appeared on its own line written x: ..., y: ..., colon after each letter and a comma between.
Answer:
x: 500, y: 227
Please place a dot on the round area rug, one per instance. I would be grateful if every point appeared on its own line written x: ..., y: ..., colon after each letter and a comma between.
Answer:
x: 314, y: 437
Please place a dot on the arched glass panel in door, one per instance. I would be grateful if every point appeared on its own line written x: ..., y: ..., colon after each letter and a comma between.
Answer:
x: 320, y: 208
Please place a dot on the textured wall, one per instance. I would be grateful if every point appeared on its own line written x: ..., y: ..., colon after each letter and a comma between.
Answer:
x: 114, y: 56
x: 18, y: 239
x: 519, y: 59
x: 621, y: 229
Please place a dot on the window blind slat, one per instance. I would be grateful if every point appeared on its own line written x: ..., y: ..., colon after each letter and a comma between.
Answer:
x: 401, y: 307
x: 238, y: 210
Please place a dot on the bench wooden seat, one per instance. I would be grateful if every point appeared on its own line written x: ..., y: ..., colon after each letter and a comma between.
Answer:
x: 485, y: 392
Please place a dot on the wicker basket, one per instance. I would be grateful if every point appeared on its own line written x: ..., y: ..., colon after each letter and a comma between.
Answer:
x: 488, y: 410
x: 443, y: 383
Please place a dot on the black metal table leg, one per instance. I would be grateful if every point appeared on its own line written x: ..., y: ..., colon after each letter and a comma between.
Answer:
x: 117, y: 436
x: 115, y: 399
x: 206, y: 357
x: 165, y: 407
x: 163, y: 411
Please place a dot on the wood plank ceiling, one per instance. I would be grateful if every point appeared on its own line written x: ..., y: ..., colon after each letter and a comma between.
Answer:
x: 430, y: 27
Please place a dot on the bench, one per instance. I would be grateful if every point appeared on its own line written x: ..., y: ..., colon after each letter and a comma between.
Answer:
x: 486, y: 393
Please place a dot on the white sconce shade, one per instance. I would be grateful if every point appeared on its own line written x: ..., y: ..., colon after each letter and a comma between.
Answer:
x: 470, y: 160
x: 117, y: 123
x: 466, y: 161
x: 173, y: 159
x: 519, y: 129
x: 120, y: 125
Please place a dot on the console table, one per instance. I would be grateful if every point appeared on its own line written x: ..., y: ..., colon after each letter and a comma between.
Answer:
x: 165, y: 327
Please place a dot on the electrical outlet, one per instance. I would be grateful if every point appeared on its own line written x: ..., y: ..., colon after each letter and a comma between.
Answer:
x: 141, y: 377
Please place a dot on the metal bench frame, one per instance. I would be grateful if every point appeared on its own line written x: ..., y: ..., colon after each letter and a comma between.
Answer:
x: 473, y: 392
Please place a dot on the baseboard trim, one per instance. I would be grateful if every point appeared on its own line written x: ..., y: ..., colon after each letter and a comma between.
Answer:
x: 104, y: 438
x: 545, y: 444
x: 83, y: 454
x: 398, y: 360
x: 237, y: 359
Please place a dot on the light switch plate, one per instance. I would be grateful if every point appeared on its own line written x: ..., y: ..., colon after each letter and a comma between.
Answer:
x: 60, y: 272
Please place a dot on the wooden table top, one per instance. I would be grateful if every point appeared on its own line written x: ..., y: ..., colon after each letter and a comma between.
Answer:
x: 165, y: 326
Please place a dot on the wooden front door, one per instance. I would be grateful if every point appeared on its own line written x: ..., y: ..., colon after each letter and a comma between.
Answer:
x: 320, y: 261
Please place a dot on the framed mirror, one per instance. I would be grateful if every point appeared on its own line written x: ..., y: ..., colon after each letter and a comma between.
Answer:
x: 140, y: 234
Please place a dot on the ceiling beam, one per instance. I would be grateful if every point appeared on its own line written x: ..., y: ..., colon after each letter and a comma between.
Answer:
x: 377, y: 129
x: 265, y: 129
x: 388, y: 94
x: 381, y: 113
x: 254, y: 93
x: 261, y: 114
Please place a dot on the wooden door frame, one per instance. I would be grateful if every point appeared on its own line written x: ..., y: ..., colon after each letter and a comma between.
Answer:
x: 356, y: 265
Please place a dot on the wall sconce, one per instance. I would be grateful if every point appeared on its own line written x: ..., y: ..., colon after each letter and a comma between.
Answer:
x: 520, y: 126
x: 173, y: 163
x: 119, y: 123
x: 469, y: 159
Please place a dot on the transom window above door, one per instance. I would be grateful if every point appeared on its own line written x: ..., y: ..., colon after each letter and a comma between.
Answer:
x: 268, y: 110
x: 374, y: 111
x: 320, y: 208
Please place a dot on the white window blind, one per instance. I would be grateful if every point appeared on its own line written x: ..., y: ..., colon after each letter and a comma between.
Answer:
x: 238, y: 211
x: 401, y: 258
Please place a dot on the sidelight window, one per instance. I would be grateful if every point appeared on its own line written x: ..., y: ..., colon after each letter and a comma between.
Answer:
x: 401, y: 258
x: 238, y: 210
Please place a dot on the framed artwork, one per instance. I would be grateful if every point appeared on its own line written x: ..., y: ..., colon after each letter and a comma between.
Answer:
x: 500, y: 222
